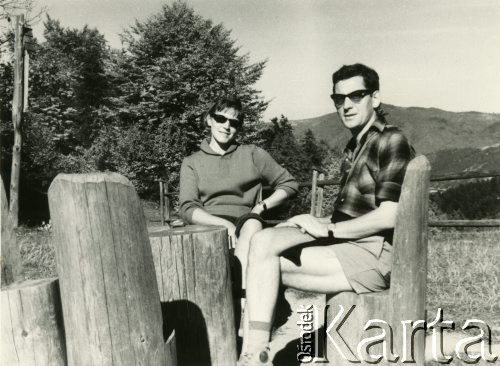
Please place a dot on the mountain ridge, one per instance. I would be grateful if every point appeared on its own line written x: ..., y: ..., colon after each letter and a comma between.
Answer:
x: 429, y: 129
x: 453, y: 141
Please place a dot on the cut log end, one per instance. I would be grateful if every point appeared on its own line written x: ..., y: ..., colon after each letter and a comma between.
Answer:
x: 97, y: 177
x: 161, y: 231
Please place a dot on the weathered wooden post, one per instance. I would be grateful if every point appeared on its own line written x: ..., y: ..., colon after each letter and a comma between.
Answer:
x: 17, y: 116
x: 192, y: 270
x: 10, y: 259
x: 320, y: 194
x: 314, y: 187
x: 109, y: 294
x: 409, y: 262
x: 32, y: 330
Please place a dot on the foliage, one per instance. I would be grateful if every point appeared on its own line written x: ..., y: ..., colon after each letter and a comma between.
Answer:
x: 136, y: 110
x: 473, y: 200
x: 299, y: 157
x: 314, y: 151
x: 172, y: 67
x: 67, y: 84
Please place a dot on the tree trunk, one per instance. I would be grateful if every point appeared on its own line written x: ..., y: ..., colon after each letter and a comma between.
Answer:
x: 32, y: 326
x: 109, y: 293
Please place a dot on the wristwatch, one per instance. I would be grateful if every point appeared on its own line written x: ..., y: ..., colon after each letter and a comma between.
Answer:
x: 263, y: 205
x: 331, y: 230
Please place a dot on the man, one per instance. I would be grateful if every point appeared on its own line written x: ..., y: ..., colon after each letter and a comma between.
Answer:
x: 351, y: 250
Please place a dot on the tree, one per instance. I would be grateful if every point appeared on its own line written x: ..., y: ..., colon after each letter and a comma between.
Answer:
x: 135, y: 110
x: 67, y: 80
x: 172, y: 67
x: 11, y: 7
x: 314, y: 151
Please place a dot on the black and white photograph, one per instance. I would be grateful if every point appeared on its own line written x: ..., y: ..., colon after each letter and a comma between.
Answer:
x: 250, y: 182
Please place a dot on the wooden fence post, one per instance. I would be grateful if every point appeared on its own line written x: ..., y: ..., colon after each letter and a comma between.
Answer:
x: 10, y: 260
x: 109, y: 293
x: 162, y: 204
x: 192, y: 270
x: 319, y: 198
x: 314, y: 187
x: 32, y: 328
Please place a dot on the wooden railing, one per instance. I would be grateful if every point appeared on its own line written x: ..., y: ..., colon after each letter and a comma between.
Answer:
x: 318, y: 182
x: 317, y: 199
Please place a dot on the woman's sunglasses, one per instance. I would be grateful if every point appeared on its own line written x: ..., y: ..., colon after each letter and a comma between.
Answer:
x: 219, y: 118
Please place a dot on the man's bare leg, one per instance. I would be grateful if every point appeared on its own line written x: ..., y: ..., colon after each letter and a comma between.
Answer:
x: 319, y: 270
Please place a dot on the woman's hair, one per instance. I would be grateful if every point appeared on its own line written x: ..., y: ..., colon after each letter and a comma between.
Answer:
x: 224, y: 103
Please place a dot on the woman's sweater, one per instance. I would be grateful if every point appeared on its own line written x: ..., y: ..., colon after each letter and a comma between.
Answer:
x: 229, y: 184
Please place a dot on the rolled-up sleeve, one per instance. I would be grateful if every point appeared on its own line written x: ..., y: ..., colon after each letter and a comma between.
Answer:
x: 395, y: 153
x: 277, y: 176
x: 189, y: 196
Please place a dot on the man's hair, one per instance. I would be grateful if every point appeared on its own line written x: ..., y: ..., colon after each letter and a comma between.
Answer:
x: 370, y: 76
x: 227, y: 102
x: 370, y: 79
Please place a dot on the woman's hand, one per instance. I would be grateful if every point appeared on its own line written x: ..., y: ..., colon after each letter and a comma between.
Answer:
x: 258, y: 209
x: 231, y: 234
x: 310, y: 224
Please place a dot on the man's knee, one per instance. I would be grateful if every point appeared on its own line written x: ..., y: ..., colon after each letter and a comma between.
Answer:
x: 261, y: 245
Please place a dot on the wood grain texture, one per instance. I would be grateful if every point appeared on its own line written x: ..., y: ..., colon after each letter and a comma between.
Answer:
x: 314, y: 187
x: 319, y: 199
x: 409, y: 262
x: 109, y: 293
x: 31, y: 323
x: 17, y: 116
x: 192, y: 270
x: 405, y: 300
x: 10, y: 259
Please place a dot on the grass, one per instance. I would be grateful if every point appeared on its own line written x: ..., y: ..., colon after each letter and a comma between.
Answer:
x: 463, y: 276
x: 463, y: 269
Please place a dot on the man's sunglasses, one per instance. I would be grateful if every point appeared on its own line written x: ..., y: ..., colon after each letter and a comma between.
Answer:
x: 219, y: 118
x: 355, y: 97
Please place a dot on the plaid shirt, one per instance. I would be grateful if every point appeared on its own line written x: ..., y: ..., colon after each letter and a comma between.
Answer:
x: 372, y: 171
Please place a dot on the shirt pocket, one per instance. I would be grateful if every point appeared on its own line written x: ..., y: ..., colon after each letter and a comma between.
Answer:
x: 366, y: 181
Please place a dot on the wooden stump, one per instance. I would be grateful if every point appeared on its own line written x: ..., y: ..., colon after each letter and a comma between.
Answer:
x: 32, y: 327
x: 192, y: 270
x: 109, y: 293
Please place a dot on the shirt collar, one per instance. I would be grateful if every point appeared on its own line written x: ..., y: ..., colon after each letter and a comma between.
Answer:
x: 205, y: 147
x: 377, y: 126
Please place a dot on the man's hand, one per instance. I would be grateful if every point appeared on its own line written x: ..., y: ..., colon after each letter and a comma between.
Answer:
x: 310, y: 224
x: 287, y: 224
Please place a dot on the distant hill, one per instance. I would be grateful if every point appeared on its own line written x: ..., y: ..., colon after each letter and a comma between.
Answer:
x: 429, y: 129
x: 466, y: 160
x: 453, y: 141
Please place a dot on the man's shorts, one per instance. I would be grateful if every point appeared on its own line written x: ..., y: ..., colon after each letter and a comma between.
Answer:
x: 366, y: 262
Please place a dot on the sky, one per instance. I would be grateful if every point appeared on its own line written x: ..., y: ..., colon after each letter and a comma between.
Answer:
x: 433, y: 53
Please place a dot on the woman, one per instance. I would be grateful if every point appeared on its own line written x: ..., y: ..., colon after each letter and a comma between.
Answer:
x: 221, y: 183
